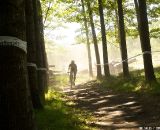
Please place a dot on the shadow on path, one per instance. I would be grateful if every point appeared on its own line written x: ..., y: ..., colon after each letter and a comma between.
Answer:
x: 114, y: 110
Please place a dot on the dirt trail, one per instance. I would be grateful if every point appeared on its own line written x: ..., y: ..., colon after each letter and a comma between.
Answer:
x: 114, y: 110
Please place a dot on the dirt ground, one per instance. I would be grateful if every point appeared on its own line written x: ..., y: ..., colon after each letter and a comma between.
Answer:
x: 116, y: 111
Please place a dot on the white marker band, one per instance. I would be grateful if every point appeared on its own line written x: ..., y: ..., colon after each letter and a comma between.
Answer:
x: 120, y: 62
x: 32, y: 65
x: 13, y: 41
x: 42, y: 69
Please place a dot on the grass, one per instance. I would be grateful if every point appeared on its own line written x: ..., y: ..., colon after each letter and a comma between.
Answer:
x: 59, y: 114
x: 59, y: 82
x: 136, y: 83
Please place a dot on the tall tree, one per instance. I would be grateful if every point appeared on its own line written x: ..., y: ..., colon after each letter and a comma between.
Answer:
x: 15, y: 104
x: 104, y: 41
x: 99, y: 73
x: 87, y: 36
x: 145, y: 40
x: 44, y: 55
x: 40, y: 53
x: 31, y: 55
x: 122, y: 39
x: 137, y: 14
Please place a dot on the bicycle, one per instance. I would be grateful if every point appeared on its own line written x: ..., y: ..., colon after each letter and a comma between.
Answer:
x: 71, y: 79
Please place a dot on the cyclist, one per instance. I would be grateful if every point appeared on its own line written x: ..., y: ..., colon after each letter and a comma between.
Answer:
x: 72, y: 69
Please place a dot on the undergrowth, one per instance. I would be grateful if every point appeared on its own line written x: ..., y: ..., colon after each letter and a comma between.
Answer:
x: 60, y: 82
x: 134, y: 83
x: 59, y: 114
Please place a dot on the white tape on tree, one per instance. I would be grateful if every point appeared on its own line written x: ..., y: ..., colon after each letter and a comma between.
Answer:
x: 13, y: 41
x: 42, y: 69
x: 32, y: 65
x: 143, y: 53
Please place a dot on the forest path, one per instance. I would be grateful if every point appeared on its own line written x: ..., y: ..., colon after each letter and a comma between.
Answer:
x: 113, y: 110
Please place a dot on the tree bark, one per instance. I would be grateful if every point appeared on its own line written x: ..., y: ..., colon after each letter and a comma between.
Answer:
x: 145, y: 40
x: 123, y: 40
x: 45, y: 62
x: 31, y: 55
x: 137, y: 14
x: 116, y: 27
x: 39, y: 38
x: 104, y: 41
x: 99, y: 73
x: 88, y: 43
x: 16, y: 109
x: 44, y: 72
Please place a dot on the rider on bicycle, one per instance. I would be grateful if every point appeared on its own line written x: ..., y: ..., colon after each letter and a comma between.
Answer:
x: 72, y: 69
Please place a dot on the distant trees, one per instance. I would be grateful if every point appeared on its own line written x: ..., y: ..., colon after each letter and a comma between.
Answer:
x: 118, y: 18
x: 87, y: 37
x: 104, y: 40
x: 122, y: 37
x: 99, y: 73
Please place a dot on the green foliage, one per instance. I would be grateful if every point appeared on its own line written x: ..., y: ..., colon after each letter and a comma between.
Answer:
x: 136, y: 83
x: 58, y: 82
x: 59, y: 114
x: 61, y: 81
x: 131, y: 26
x: 71, y: 11
x: 155, y: 33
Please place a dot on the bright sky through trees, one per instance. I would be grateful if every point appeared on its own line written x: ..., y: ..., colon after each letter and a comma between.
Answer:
x: 63, y: 35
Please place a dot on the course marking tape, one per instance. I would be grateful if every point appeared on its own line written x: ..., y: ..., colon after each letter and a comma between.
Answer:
x: 145, y: 52
x: 13, y: 41
x: 32, y: 65
x: 42, y: 69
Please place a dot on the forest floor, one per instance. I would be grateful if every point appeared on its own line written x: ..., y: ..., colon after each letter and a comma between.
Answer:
x: 116, y: 110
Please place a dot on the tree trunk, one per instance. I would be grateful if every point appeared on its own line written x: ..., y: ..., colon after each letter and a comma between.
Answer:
x: 122, y: 39
x: 43, y: 71
x: 31, y: 55
x: 40, y: 49
x: 99, y: 73
x: 137, y: 14
x: 16, y: 109
x: 145, y: 40
x: 116, y: 27
x: 88, y: 44
x: 104, y: 41
x: 45, y: 62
